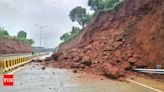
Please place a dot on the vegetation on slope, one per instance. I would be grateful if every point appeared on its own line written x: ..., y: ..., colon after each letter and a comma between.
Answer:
x: 21, y: 36
x: 79, y: 15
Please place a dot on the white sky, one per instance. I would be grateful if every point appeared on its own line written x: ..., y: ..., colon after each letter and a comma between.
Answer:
x: 16, y: 15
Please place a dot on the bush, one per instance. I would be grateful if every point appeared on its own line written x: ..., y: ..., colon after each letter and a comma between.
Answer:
x: 5, y: 34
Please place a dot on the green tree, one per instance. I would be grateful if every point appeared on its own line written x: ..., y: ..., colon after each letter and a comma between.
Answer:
x: 31, y: 41
x: 88, y: 18
x: 78, y: 14
x: 3, y: 32
x: 65, y: 37
x: 110, y: 4
x: 70, y: 35
x: 22, y: 34
x: 75, y: 30
x: 96, y: 5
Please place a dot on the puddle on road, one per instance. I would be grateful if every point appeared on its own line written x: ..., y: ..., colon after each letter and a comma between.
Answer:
x: 34, y: 79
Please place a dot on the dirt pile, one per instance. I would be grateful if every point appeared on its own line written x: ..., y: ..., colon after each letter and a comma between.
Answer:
x: 115, y: 41
x: 12, y: 46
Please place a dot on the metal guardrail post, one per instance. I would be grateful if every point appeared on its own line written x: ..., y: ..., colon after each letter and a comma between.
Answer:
x: 1, y: 67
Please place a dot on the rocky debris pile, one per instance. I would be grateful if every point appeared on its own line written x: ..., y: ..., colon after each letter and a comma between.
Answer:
x: 117, y: 41
x: 109, y: 61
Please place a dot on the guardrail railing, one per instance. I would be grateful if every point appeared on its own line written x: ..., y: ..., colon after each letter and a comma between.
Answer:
x: 157, y: 71
x: 10, y: 64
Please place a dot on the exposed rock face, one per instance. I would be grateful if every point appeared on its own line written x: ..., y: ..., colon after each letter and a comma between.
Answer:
x: 135, y: 30
x: 130, y: 36
x: 12, y: 46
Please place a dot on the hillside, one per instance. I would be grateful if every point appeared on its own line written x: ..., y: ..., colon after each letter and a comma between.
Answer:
x: 9, y: 46
x: 130, y: 36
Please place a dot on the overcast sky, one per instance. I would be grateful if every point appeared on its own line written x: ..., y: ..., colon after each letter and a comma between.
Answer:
x: 16, y: 15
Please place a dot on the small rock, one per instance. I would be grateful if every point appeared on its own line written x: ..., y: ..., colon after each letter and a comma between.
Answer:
x: 117, y: 53
x: 86, y: 61
x: 82, y: 66
x: 136, y: 56
x: 76, y: 59
x: 74, y: 65
x: 43, y: 68
x: 132, y: 60
x: 109, y: 48
x: 132, y: 78
x: 125, y: 65
x: 119, y: 38
x: 75, y: 71
x: 129, y: 53
x: 88, y: 47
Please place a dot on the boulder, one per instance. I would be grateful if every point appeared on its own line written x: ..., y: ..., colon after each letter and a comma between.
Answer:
x: 132, y: 60
x: 86, y: 60
x: 56, y: 55
x: 125, y: 65
x: 113, y: 72
x: 48, y: 59
x: 141, y: 63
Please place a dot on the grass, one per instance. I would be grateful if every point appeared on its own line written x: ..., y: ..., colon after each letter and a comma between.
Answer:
x: 15, y: 38
x: 71, y: 38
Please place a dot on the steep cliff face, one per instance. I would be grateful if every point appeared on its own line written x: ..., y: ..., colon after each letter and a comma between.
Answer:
x: 137, y: 27
x: 130, y: 36
x: 12, y: 46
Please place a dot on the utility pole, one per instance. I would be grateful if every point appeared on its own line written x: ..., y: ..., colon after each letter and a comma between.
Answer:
x: 45, y: 41
x: 41, y: 29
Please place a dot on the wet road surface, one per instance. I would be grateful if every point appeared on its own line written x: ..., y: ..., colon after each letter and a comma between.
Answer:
x: 34, y: 79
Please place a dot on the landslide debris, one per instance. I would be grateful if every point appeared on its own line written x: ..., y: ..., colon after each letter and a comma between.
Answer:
x: 131, y: 36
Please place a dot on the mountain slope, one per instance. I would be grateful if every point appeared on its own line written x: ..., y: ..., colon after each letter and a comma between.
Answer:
x: 130, y: 36
x: 8, y: 46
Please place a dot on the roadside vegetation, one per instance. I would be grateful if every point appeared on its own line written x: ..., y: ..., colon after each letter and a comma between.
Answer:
x: 80, y: 15
x: 21, y: 36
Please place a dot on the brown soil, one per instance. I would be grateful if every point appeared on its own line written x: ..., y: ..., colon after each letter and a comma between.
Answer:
x: 12, y: 46
x: 115, y: 41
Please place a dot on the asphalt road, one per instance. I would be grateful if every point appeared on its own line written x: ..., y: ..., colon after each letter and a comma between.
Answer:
x: 31, y: 78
